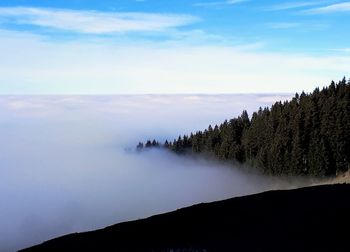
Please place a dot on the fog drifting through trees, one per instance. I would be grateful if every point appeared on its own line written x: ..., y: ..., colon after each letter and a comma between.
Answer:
x: 65, y: 164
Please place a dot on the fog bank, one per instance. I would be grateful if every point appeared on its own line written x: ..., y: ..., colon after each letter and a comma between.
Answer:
x: 64, y: 168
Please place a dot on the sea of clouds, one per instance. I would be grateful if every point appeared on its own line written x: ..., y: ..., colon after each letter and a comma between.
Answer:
x: 66, y: 164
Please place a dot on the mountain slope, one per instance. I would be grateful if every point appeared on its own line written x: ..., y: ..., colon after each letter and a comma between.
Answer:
x: 306, y: 219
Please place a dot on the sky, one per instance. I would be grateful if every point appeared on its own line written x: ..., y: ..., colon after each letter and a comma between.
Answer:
x: 171, y: 47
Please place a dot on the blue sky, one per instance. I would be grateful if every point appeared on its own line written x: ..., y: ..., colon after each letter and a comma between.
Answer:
x: 153, y: 46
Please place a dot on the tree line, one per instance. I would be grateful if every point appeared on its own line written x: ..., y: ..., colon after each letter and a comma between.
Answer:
x: 308, y: 135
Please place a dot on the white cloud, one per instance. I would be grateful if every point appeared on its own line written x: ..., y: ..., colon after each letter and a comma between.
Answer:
x: 306, y: 26
x: 342, y: 50
x: 218, y: 3
x: 339, y: 7
x: 271, y: 99
x: 32, y: 65
x: 235, y: 1
x: 295, y: 5
x: 93, y: 21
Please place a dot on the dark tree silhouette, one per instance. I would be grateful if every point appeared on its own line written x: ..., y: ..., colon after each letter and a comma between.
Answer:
x: 309, y: 134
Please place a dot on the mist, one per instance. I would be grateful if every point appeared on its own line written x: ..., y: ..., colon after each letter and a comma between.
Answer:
x: 66, y: 164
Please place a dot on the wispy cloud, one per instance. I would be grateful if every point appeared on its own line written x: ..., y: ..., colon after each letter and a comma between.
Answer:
x: 93, y: 21
x: 333, y: 8
x: 302, y: 26
x: 219, y: 3
x: 33, y: 65
x: 295, y: 5
x: 342, y: 50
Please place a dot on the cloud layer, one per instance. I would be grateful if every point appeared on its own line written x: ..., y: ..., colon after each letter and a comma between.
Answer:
x: 64, y: 167
x: 94, y: 22
x: 34, y: 65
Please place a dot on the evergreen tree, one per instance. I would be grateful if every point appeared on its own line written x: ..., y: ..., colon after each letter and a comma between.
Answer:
x: 309, y: 134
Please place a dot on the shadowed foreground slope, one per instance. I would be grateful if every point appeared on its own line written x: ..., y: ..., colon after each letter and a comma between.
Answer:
x: 306, y: 219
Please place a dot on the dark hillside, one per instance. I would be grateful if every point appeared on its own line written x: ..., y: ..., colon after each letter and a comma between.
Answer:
x: 307, y: 219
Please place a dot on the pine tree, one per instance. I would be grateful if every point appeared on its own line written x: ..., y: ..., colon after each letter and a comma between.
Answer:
x: 308, y: 135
